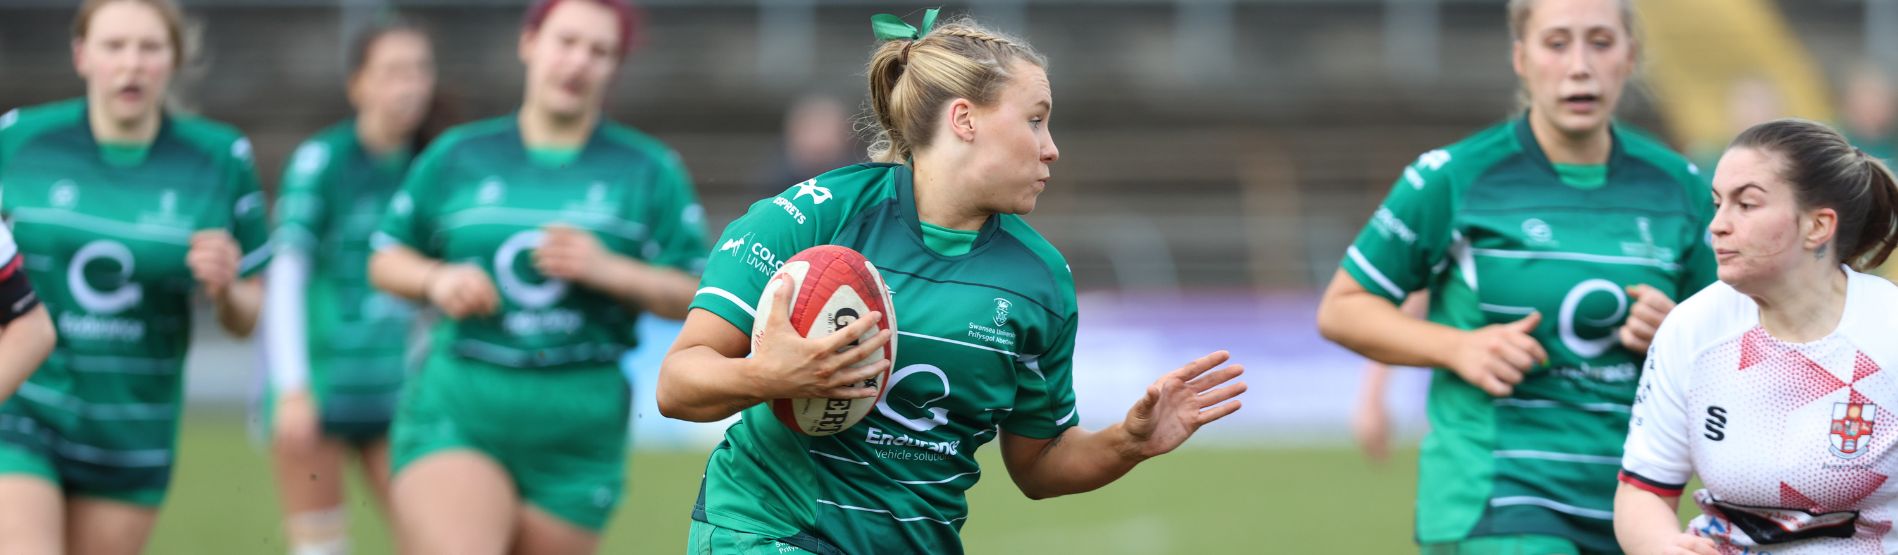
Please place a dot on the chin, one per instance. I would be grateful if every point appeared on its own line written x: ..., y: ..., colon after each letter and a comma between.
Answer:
x: 1737, y: 278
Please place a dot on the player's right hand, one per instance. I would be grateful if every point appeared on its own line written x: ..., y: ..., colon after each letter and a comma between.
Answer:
x: 1371, y: 423
x: 295, y: 423
x: 785, y: 365
x: 462, y: 290
x: 1689, y: 544
x: 1495, y: 357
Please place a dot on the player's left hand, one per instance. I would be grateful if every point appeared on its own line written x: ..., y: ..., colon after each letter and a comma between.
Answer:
x: 1182, y: 401
x: 1650, y: 307
x: 213, y: 259
x: 571, y: 254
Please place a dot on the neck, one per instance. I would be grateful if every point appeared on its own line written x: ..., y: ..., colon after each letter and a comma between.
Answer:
x: 1592, y: 147
x: 141, y: 130
x: 379, y: 138
x: 1804, y: 306
x: 939, y: 196
x: 544, y: 130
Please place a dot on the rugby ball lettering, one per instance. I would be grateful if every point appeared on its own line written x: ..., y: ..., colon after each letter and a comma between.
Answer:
x: 831, y: 286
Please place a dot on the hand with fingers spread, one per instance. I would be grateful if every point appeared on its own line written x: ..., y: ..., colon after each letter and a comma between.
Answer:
x: 1650, y: 308
x: 784, y: 365
x: 462, y: 290
x: 1180, y: 402
x: 214, y: 258
x: 1495, y: 358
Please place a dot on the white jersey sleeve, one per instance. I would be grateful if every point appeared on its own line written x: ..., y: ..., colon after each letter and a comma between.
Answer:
x: 1656, y: 456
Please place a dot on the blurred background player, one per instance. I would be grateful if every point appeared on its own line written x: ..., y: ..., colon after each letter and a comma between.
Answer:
x: 965, y: 147
x: 122, y: 211
x: 337, y: 348
x: 1870, y: 110
x: 817, y: 139
x: 26, y: 332
x: 541, y: 236
x: 1551, y: 246
x: 1771, y: 385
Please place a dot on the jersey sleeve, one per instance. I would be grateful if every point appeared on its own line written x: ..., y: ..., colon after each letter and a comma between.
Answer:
x: 1405, y: 241
x: 1044, y: 389
x: 677, y: 221
x: 1656, y: 455
x: 757, y: 243
x: 250, y: 218
x: 1699, y: 269
x: 407, y: 222
x: 300, y: 211
x: 16, y: 294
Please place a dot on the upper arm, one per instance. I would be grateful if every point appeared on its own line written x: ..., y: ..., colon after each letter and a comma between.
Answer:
x: 1044, y: 388
x: 250, y: 219
x: 407, y: 222
x: 1406, y: 240
x: 677, y: 221
x: 1021, y: 453
x: 743, y: 260
x: 301, y: 214
x: 1657, y: 456
x: 704, y: 329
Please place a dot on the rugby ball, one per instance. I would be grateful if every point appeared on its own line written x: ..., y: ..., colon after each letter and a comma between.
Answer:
x: 831, y: 286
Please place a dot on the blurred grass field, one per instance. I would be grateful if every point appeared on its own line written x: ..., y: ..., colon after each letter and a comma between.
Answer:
x: 1207, y: 500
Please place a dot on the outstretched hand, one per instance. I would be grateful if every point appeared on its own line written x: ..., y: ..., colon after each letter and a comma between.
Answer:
x: 1180, y: 402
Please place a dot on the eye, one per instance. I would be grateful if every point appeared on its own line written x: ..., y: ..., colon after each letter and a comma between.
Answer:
x: 1035, y: 122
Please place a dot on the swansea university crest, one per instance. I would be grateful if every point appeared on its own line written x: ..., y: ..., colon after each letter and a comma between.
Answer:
x: 1851, y: 433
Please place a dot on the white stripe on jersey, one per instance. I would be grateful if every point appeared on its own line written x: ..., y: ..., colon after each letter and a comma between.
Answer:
x: 138, y: 232
x: 1557, y: 457
x: 1548, y: 404
x: 8, y: 249
x: 942, y: 481
x: 1371, y: 270
x: 1552, y: 505
x: 1577, y: 257
x: 727, y: 295
x: 950, y: 522
x: 834, y: 457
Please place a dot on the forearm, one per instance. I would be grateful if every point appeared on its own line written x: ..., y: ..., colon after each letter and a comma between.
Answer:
x: 285, y: 333
x: 24, y: 345
x: 699, y: 384
x: 1078, y: 461
x: 237, y: 308
x: 1378, y: 330
x: 662, y: 291
x: 1645, y: 523
x: 400, y: 271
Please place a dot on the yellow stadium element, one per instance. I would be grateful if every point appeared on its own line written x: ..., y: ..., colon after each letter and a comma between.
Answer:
x: 1708, y: 59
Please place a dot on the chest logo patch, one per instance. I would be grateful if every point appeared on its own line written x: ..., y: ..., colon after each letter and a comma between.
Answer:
x: 1001, y: 311
x: 1851, y: 430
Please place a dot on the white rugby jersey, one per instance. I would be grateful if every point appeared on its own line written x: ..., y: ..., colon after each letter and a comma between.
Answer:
x: 1788, y: 438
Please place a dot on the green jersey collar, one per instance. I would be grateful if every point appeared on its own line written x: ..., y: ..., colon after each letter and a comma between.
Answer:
x: 904, y: 181
x: 1617, y: 156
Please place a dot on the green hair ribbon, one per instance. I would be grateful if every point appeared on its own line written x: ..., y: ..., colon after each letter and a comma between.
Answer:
x: 889, y: 27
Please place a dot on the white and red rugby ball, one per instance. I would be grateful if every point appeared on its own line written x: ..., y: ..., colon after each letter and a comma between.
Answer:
x: 831, y: 286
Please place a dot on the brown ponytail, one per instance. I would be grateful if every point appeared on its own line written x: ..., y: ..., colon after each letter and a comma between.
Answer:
x: 1879, y: 234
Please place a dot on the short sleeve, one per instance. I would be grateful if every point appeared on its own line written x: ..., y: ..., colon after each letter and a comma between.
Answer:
x: 300, y: 212
x: 409, y: 223
x: 1399, y: 250
x: 250, y: 218
x: 1044, y: 389
x: 745, y: 257
x: 677, y: 222
x: 1656, y: 456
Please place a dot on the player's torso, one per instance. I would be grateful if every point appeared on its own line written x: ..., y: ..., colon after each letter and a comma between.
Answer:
x: 491, y: 211
x: 349, y: 317
x: 1530, y: 243
x: 105, y: 245
x: 1792, y: 434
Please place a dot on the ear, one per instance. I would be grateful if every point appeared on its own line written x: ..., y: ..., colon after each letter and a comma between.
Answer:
x: 961, y: 114
x: 1516, y: 54
x: 1821, y: 227
x: 79, y: 57
x: 526, y: 45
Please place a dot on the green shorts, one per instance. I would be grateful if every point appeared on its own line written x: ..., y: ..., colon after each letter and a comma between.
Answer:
x: 708, y: 539
x: 1526, y: 544
x: 35, y: 441
x: 355, y: 416
x: 560, y: 433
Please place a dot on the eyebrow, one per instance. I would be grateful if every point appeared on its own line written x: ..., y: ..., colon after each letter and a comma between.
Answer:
x: 1741, y: 189
x: 1045, y: 105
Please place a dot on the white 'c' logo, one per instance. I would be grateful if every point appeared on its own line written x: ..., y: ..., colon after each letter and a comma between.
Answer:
x: 527, y: 295
x: 937, y: 415
x: 127, y: 295
x: 1566, y: 324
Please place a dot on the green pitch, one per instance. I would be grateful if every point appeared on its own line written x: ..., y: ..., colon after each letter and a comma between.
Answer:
x: 1215, y: 500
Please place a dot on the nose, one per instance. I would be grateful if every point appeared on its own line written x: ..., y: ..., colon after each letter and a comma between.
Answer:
x: 1579, y: 63
x: 1049, y: 152
x: 1722, y: 224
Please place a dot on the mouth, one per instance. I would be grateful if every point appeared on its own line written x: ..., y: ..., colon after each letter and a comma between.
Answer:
x: 1725, y: 254
x: 130, y: 93
x: 1581, y: 103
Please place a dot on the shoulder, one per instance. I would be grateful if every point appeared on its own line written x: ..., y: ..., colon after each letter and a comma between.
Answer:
x: 1465, y: 159
x: 1875, y: 320
x: 320, y: 150
x: 468, y: 134
x: 848, y: 189
x: 1712, y: 315
x: 622, y: 137
x: 1060, y: 274
x: 21, y: 125
x: 212, y: 138
x: 1647, y: 149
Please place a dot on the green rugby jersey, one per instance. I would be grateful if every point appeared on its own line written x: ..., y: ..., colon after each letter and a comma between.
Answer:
x: 479, y: 196
x: 985, y: 343
x: 333, y: 196
x: 104, y: 231
x: 1488, y: 227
